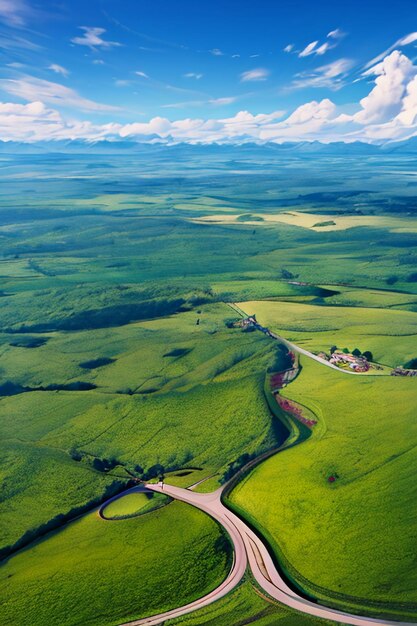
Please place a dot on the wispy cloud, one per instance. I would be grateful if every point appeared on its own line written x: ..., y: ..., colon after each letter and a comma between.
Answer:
x: 141, y: 74
x: 309, y: 49
x: 14, y: 12
x: 331, y: 75
x: 403, y: 41
x: 193, y: 75
x: 92, y: 38
x: 317, y: 47
x: 216, y: 52
x: 222, y: 101
x: 32, y: 89
x: 257, y: 74
x: 59, y: 69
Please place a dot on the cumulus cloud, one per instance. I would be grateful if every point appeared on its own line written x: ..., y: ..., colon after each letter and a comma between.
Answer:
x: 385, y: 101
x: 388, y: 112
x: 403, y: 41
x: 31, y: 89
x: 257, y: 74
x: 58, y: 69
x: 92, y: 38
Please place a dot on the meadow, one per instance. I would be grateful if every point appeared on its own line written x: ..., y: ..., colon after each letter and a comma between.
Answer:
x: 119, y: 361
x: 351, y: 540
x: 105, y: 572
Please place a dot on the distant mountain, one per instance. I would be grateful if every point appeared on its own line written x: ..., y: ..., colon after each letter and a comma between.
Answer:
x: 153, y: 144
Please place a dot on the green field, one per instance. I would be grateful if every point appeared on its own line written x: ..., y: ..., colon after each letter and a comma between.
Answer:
x: 351, y: 540
x: 120, y: 361
x: 133, y: 504
x: 105, y: 572
x: 246, y: 604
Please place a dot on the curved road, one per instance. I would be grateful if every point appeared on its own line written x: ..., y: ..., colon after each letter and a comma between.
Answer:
x: 248, y: 549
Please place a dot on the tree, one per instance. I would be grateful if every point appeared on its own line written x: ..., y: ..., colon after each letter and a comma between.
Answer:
x: 368, y: 355
x: 345, y: 350
x: 333, y: 349
x: 356, y: 352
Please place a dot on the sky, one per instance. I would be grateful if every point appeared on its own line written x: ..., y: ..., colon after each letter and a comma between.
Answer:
x: 225, y: 71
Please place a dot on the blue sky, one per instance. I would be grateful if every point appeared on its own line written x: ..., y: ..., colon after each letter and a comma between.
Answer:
x: 109, y: 67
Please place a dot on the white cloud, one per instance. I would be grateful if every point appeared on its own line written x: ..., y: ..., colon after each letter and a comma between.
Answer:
x: 385, y: 100
x: 317, y: 48
x: 193, y: 75
x: 93, y: 39
x: 58, y: 69
x: 141, y: 74
x: 309, y: 49
x: 14, y: 12
x: 403, y: 41
x: 254, y: 75
x: 323, y: 48
x: 216, y: 52
x: 337, y: 33
x: 31, y: 89
x: 222, y: 101
x: 331, y: 76
x: 289, y: 48
x: 387, y: 113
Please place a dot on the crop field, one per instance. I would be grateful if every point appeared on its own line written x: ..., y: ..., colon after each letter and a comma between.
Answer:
x: 121, y: 360
x: 353, y: 537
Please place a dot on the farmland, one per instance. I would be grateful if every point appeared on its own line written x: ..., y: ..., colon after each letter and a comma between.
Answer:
x: 120, y: 361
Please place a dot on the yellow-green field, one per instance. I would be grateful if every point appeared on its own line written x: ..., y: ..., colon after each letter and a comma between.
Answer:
x: 391, y: 335
x: 353, y: 537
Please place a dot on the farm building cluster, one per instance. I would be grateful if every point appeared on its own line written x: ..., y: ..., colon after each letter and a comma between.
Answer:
x: 402, y: 371
x: 346, y: 360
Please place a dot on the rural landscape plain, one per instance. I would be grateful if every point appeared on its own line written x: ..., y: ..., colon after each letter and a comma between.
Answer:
x: 208, y: 336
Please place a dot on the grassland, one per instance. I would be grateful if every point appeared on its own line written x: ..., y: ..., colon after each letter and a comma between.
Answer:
x: 104, y: 572
x: 111, y: 284
x: 201, y: 409
x: 133, y: 504
x: 390, y: 334
x: 243, y: 605
x: 353, y: 538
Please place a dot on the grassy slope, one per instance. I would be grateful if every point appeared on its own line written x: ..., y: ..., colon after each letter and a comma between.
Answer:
x: 356, y: 536
x: 245, y: 606
x: 102, y: 573
x: 207, y: 409
x: 389, y: 334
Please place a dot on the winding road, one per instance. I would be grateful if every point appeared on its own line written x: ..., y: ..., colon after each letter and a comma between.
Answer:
x: 249, y: 549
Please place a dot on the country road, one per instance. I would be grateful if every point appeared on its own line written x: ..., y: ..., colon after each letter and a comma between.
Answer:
x: 248, y: 550
x: 293, y: 346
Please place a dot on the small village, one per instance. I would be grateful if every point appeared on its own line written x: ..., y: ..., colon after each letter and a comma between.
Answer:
x: 357, y: 361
